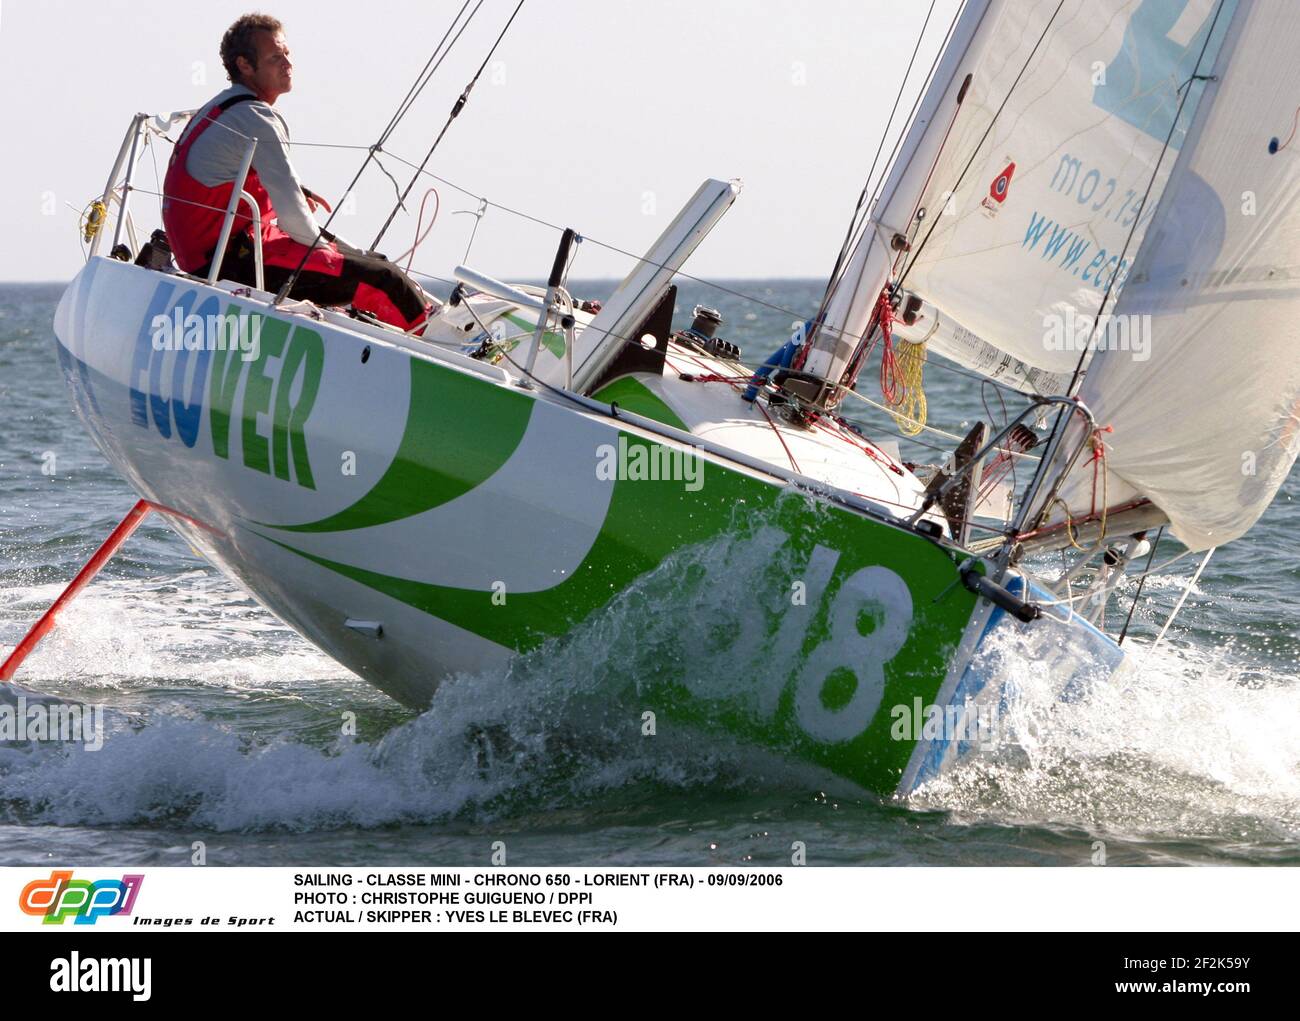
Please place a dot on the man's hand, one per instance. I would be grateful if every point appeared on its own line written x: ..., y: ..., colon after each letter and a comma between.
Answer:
x: 316, y: 202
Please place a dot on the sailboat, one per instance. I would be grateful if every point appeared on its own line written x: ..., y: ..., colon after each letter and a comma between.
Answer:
x: 1091, y: 209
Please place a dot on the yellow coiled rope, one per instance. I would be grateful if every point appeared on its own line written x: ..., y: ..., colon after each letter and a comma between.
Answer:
x: 93, y: 220
x: 908, y: 406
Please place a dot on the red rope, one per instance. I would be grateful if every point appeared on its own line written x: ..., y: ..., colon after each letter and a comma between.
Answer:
x: 735, y: 384
x: 793, y: 463
x: 713, y: 377
x: 1098, y: 459
x: 888, y: 363
x: 814, y: 420
x: 1021, y: 440
x: 852, y: 439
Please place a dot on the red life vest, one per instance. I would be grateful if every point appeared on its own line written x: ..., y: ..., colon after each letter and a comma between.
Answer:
x: 193, y: 212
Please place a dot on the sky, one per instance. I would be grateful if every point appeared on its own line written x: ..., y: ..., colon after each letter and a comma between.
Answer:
x: 602, y: 115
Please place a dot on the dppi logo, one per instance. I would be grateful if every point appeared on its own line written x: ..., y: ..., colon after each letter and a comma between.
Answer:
x: 295, y: 357
x: 61, y: 897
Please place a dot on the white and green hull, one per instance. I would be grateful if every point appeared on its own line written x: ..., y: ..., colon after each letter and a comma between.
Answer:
x: 344, y: 477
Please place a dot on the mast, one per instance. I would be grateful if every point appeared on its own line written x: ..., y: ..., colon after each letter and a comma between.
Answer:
x: 863, y: 268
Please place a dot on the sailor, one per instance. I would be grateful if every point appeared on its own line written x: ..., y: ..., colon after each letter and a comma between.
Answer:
x: 202, y: 172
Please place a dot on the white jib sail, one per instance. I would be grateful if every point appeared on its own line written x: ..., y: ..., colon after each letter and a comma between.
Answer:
x: 1205, y: 413
x: 943, y: 336
x: 1020, y: 201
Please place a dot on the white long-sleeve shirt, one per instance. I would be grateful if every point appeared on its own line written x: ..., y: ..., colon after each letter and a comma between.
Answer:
x: 216, y: 155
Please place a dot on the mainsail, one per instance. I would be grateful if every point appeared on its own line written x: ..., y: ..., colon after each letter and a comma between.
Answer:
x: 1110, y: 186
x: 1208, y: 425
x: 1020, y: 185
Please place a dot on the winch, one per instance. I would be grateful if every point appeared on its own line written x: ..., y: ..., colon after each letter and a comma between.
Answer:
x: 700, y: 335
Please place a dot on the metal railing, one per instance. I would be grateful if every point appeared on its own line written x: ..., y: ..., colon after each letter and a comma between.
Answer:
x: 1072, y: 406
x: 126, y: 158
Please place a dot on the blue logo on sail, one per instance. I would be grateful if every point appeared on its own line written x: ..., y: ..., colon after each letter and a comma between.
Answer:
x: 1157, y: 58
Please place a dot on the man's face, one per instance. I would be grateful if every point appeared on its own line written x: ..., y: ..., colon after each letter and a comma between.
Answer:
x: 273, y: 75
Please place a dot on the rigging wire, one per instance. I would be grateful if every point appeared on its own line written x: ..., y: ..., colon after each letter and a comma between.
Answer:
x: 743, y: 296
x: 422, y: 81
x: 716, y: 285
x: 858, y: 227
x: 426, y: 75
x: 847, y: 244
x: 1108, y: 589
x: 1187, y: 591
x: 485, y: 203
x: 420, y: 169
x: 1141, y: 581
x: 432, y: 65
x: 478, y: 215
x: 911, y: 357
x: 916, y: 103
x: 934, y: 429
x: 1015, y: 485
x: 455, y: 112
x: 1061, y: 420
x: 980, y: 144
x: 739, y: 379
x: 902, y: 135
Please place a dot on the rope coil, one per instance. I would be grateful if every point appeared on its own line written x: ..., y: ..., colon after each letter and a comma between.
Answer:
x: 902, y: 370
x: 93, y: 220
x: 909, y: 409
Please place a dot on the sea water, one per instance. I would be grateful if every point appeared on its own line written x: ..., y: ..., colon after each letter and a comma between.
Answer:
x: 223, y: 726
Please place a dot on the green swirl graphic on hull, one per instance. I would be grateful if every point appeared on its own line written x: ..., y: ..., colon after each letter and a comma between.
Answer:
x: 445, y: 449
x: 854, y: 615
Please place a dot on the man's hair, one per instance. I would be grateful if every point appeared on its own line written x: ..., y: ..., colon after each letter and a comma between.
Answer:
x: 240, y: 40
